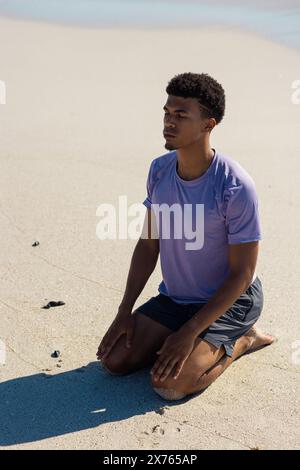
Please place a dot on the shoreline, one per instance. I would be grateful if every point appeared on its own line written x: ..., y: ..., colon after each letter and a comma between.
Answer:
x: 201, y: 26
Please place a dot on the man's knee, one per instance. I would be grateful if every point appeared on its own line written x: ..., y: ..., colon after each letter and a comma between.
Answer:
x: 170, y: 388
x: 169, y: 393
x: 111, y: 369
x: 116, y: 365
x: 175, y: 389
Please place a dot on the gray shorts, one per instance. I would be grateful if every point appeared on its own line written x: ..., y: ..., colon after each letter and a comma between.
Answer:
x: 233, y: 324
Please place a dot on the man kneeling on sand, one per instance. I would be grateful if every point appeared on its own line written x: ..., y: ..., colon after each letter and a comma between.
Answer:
x: 210, y: 297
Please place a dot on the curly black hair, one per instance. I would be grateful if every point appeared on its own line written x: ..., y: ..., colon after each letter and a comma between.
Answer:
x: 204, y: 88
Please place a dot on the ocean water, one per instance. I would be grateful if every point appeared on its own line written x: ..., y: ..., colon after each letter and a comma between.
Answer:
x: 277, y: 20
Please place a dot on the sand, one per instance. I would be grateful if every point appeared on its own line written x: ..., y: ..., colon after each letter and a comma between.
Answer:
x: 81, y: 124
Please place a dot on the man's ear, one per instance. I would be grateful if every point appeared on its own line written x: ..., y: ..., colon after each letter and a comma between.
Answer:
x: 210, y: 124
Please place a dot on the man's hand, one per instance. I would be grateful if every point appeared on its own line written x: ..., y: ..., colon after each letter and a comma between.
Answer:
x: 120, y: 326
x: 173, y: 354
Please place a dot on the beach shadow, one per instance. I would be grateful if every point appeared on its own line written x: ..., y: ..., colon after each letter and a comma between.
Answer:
x: 41, y: 406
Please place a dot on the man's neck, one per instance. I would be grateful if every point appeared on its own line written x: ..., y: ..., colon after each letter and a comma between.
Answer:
x: 193, y: 161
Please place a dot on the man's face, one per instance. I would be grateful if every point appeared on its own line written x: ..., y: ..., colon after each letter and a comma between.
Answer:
x: 183, y: 119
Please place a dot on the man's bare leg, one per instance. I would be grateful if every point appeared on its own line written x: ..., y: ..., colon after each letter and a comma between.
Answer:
x: 251, y: 341
x: 149, y: 336
x: 194, y: 378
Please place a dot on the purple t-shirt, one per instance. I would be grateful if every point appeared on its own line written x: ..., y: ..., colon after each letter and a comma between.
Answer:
x: 217, y: 209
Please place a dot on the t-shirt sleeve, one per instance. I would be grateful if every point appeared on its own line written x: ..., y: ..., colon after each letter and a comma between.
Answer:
x: 150, y: 183
x: 241, y: 212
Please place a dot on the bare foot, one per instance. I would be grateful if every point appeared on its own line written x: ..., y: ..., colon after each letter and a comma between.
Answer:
x: 258, y: 339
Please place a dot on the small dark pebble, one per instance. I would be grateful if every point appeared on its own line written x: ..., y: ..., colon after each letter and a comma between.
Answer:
x: 53, y: 303
x: 55, y: 354
x: 35, y: 243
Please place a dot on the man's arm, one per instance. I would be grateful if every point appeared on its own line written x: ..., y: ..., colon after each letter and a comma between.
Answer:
x: 242, y: 261
x: 142, y: 265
